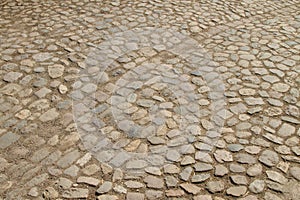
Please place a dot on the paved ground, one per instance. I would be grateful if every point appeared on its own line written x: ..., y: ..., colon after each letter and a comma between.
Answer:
x: 150, y: 99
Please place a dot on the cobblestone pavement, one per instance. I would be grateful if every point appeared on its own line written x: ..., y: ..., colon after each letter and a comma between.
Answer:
x: 150, y: 99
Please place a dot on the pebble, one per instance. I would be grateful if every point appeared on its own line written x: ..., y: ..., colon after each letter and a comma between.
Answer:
x: 62, y: 89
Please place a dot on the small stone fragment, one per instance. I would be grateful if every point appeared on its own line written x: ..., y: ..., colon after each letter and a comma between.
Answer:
x: 62, y: 89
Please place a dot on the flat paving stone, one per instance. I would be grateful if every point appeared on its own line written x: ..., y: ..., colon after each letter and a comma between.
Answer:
x: 7, y: 139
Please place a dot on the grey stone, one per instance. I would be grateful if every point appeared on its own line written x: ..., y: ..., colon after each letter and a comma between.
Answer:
x: 190, y: 188
x: 223, y: 156
x: 273, y: 138
x: 72, y: 171
x: 41, y: 57
x: 200, y: 178
x: 269, y: 158
x: 171, y: 181
x: 153, y: 170
x: 204, y: 197
x: 215, y: 186
x: 239, y: 179
x: 254, y: 170
x: 237, y: 168
x: 34, y: 192
x: 295, y: 172
x: 120, y: 189
x: 257, y: 186
x: 68, y: 159
x: 173, y: 155
x: 64, y: 183
x: 12, y: 76
x: 107, y: 197
x: 105, y: 187
x: 274, y: 186
x: 235, y: 147
x: 276, y: 176
x: 120, y: 159
x: 236, y: 191
x: 153, y: 194
x: 286, y: 130
x: 89, y: 88
x: 7, y: 139
x: 221, y: 170
x: 42, y: 92
x: 136, y: 164
x: 154, y: 182
x: 245, y: 158
x: 251, y: 101
x: 134, y: 184
x: 202, y: 167
x: 88, y: 180
x: 49, y: 115
x: 50, y: 193
x: 37, y: 180
x: 135, y: 196
x: 56, y: 71
x: 271, y: 196
x: 280, y: 87
x: 117, y: 175
x: 172, y: 169
x: 186, y: 173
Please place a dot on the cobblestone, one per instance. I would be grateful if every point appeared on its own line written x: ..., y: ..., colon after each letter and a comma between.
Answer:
x: 149, y: 99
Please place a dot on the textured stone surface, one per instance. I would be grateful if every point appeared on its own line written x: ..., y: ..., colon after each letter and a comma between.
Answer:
x: 7, y: 139
x: 203, y: 104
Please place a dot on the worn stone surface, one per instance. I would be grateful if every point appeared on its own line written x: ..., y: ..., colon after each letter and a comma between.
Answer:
x: 75, y: 193
x: 269, y: 158
x: 203, y: 104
